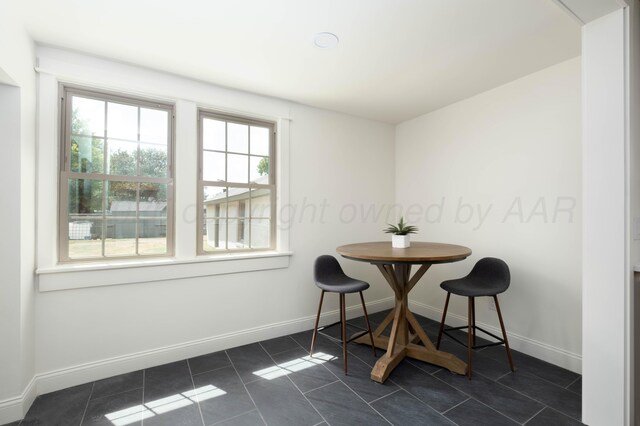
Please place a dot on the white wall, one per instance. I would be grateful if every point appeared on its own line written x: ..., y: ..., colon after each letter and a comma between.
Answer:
x: 606, y: 270
x: 335, y: 161
x: 17, y: 167
x: 504, y: 169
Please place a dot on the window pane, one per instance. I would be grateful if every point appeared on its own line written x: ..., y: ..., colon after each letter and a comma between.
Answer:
x: 213, y: 166
x: 215, y: 213
x: 123, y: 157
x: 238, y: 138
x: 122, y: 121
x: 259, y: 140
x: 87, y: 154
x: 260, y: 203
x: 237, y: 168
x: 87, y: 116
x: 152, y: 222
x: 121, y: 219
x: 153, y: 160
x: 238, y: 213
x: 260, y: 233
x: 154, y: 126
x: 213, y: 134
x: 85, y: 218
x: 85, y: 196
x: 259, y: 169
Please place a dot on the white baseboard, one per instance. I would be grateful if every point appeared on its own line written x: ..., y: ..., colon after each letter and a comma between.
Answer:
x: 15, y: 408
x: 537, y: 349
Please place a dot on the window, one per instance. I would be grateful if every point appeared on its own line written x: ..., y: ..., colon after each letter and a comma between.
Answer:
x: 236, y: 188
x: 116, y: 177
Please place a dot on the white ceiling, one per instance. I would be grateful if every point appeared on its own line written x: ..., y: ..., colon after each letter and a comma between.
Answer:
x: 397, y: 59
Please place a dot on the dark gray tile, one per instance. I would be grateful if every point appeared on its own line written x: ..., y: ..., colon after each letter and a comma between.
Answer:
x: 576, y: 386
x: 433, y: 392
x: 474, y: 413
x: 549, y: 416
x: 117, y: 384
x: 359, y: 378
x: 340, y: 406
x: 167, y: 380
x: 462, y: 336
x: 280, y: 403
x: 306, y: 374
x: 364, y: 352
x: 401, y: 408
x: 279, y: 344
x: 16, y: 423
x: 221, y: 395
x: 209, y: 362
x: 62, y: 408
x: 497, y: 396
x: 323, y: 344
x: 553, y: 373
x: 188, y: 415
x: 122, y: 408
x: 250, y: 359
x: 490, y: 367
x: 424, y: 366
x: 251, y: 418
x: 335, y: 332
x: 456, y: 349
x: 561, y: 399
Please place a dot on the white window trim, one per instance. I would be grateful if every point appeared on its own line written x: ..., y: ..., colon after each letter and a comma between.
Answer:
x: 52, y: 276
x: 68, y: 277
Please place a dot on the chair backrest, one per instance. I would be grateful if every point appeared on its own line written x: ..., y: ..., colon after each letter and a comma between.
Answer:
x: 493, y: 271
x: 327, y: 269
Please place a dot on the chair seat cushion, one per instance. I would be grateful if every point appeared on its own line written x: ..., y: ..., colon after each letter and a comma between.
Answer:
x: 343, y: 284
x: 474, y: 286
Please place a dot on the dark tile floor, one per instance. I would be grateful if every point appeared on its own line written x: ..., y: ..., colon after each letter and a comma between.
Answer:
x: 275, y: 383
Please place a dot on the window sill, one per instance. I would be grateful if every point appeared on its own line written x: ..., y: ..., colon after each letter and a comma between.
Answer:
x: 67, y: 277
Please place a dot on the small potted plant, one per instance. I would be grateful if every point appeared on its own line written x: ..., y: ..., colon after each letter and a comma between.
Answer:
x: 401, y: 231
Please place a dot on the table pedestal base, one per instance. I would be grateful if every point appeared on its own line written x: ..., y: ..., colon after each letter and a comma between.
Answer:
x: 407, y: 338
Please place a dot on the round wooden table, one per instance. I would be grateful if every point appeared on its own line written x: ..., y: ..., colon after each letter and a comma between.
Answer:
x: 407, y: 337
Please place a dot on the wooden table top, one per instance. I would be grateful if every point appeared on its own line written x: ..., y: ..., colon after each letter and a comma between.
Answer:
x: 419, y: 252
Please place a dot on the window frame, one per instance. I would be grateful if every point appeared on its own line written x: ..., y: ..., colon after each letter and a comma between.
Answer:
x: 66, y: 93
x: 204, y: 113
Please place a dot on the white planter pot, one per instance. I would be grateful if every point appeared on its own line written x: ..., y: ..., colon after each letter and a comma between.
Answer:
x: 400, y: 241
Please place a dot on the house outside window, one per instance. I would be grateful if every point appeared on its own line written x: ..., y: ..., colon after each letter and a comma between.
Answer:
x: 116, y: 177
x: 236, y: 184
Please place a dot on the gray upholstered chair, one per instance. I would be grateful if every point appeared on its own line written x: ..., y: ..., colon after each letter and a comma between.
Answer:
x: 329, y: 276
x: 489, y: 277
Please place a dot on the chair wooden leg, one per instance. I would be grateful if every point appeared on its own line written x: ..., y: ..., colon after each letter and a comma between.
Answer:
x: 366, y: 317
x: 473, y: 316
x: 504, y: 333
x: 470, y: 335
x: 444, y: 315
x: 343, y: 320
x: 315, y: 328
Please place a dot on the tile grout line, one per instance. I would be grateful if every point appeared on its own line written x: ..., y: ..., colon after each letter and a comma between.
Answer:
x: 541, y: 402
x: 384, y: 396
x: 210, y: 371
x: 297, y: 388
x: 193, y: 384
x: 320, y: 387
x: 532, y: 417
x: 576, y: 379
x: 84, y: 413
x: 457, y: 405
x: 245, y: 387
x: 234, y: 417
x: 487, y: 405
